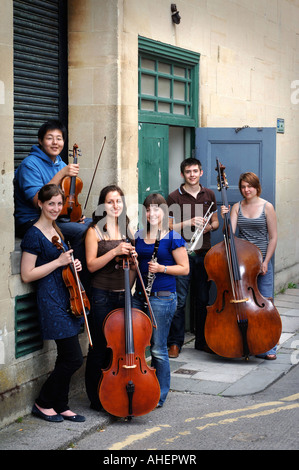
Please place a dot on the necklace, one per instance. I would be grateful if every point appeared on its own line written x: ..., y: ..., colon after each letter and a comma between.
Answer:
x: 49, y: 232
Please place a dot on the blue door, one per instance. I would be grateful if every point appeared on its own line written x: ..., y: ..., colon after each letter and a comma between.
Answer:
x: 239, y: 150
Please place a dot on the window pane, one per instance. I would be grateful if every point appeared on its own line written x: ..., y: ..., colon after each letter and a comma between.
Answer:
x: 164, y: 88
x: 178, y: 109
x: 147, y: 64
x: 164, y: 68
x: 179, y: 71
x: 147, y: 105
x: 164, y: 108
x: 179, y: 91
x: 147, y: 85
x: 188, y: 97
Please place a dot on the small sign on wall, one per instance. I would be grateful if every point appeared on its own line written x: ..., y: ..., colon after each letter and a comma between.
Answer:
x: 280, y: 126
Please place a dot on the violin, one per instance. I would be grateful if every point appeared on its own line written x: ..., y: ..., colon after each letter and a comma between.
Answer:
x: 128, y: 387
x: 79, y: 302
x: 72, y: 187
x: 241, y: 322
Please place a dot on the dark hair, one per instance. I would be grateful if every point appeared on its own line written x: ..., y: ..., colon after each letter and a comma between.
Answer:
x: 123, y: 219
x: 51, y: 126
x: 189, y: 162
x: 46, y: 193
x: 252, y: 179
x: 157, y: 200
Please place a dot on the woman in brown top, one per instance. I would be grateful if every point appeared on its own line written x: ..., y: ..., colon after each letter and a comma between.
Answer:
x: 104, y: 245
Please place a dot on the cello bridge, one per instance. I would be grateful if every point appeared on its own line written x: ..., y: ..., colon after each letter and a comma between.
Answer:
x: 234, y: 301
x: 129, y: 367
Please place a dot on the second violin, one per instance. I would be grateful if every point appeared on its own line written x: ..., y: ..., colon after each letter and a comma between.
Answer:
x: 79, y: 302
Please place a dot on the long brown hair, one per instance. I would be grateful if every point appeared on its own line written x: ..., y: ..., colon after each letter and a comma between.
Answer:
x: 100, y: 214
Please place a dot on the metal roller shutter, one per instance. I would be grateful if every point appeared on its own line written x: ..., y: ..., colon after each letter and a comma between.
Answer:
x: 40, y: 68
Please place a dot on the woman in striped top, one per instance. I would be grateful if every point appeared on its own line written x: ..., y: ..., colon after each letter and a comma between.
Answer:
x: 256, y: 220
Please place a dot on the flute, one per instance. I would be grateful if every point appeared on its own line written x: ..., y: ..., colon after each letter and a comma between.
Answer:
x: 151, y: 276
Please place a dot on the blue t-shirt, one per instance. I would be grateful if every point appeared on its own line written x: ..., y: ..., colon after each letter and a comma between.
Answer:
x: 33, y: 173
x: 169, y: 243
x: 53, y: 298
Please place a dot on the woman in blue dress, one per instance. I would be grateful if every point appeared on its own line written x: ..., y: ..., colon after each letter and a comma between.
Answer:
x: 43, y: 262
x: 172, y: 260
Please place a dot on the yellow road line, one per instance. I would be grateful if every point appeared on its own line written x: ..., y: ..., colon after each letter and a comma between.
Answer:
x: 240, y: 410
x: 136, y: 437
x: 140, y: 436
x: 250, y: 416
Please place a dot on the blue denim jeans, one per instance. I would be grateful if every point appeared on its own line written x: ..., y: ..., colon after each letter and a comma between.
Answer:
x: 265, y: 286
x: 98, y: 357
x: 163, y: 309
x: 199, y: 278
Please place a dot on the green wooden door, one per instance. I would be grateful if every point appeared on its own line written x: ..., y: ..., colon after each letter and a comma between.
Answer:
x: 153, y: 160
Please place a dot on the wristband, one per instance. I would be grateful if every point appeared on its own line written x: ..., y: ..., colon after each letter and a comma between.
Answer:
x: 165, y: 269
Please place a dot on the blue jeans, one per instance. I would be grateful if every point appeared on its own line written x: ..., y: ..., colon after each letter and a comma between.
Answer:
x: 163, y: 309
x: 199, y: 279
x: 265, y: 286
x: 98, y: 357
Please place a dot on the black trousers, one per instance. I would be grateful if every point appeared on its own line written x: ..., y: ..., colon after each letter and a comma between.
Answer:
x: 55, y: 391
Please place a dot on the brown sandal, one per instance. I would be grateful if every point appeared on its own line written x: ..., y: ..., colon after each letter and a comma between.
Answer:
x: 270, y: 357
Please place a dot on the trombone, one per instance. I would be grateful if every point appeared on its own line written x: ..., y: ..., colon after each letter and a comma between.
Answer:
x: 199, y: 231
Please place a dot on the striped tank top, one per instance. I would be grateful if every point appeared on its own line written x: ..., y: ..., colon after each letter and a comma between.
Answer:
x: 254, y: 230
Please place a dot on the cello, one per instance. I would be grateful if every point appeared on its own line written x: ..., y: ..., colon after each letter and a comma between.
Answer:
x: 128, y: 387
x: 72, y: 186
x: 241, y: 322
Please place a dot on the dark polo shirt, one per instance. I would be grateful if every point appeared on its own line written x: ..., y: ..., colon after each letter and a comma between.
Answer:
x: 183, y: 206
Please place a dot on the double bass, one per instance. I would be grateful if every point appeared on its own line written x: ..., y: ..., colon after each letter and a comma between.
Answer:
x: 128, y: 387
x: 241, y: 322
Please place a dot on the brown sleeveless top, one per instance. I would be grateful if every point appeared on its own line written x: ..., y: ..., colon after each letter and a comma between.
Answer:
x: 110, y: 276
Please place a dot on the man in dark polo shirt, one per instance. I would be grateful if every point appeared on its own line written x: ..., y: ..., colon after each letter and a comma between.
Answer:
x: 187, y: 208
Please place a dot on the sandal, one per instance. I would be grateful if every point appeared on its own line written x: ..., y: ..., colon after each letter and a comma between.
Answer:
x: 270, y: 357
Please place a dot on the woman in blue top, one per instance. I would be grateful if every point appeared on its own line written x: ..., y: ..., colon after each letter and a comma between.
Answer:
x: 43, y: 262
x: 172, y: 260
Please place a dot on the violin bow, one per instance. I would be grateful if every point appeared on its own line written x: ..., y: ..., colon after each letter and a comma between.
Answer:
x: 93, y: 176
